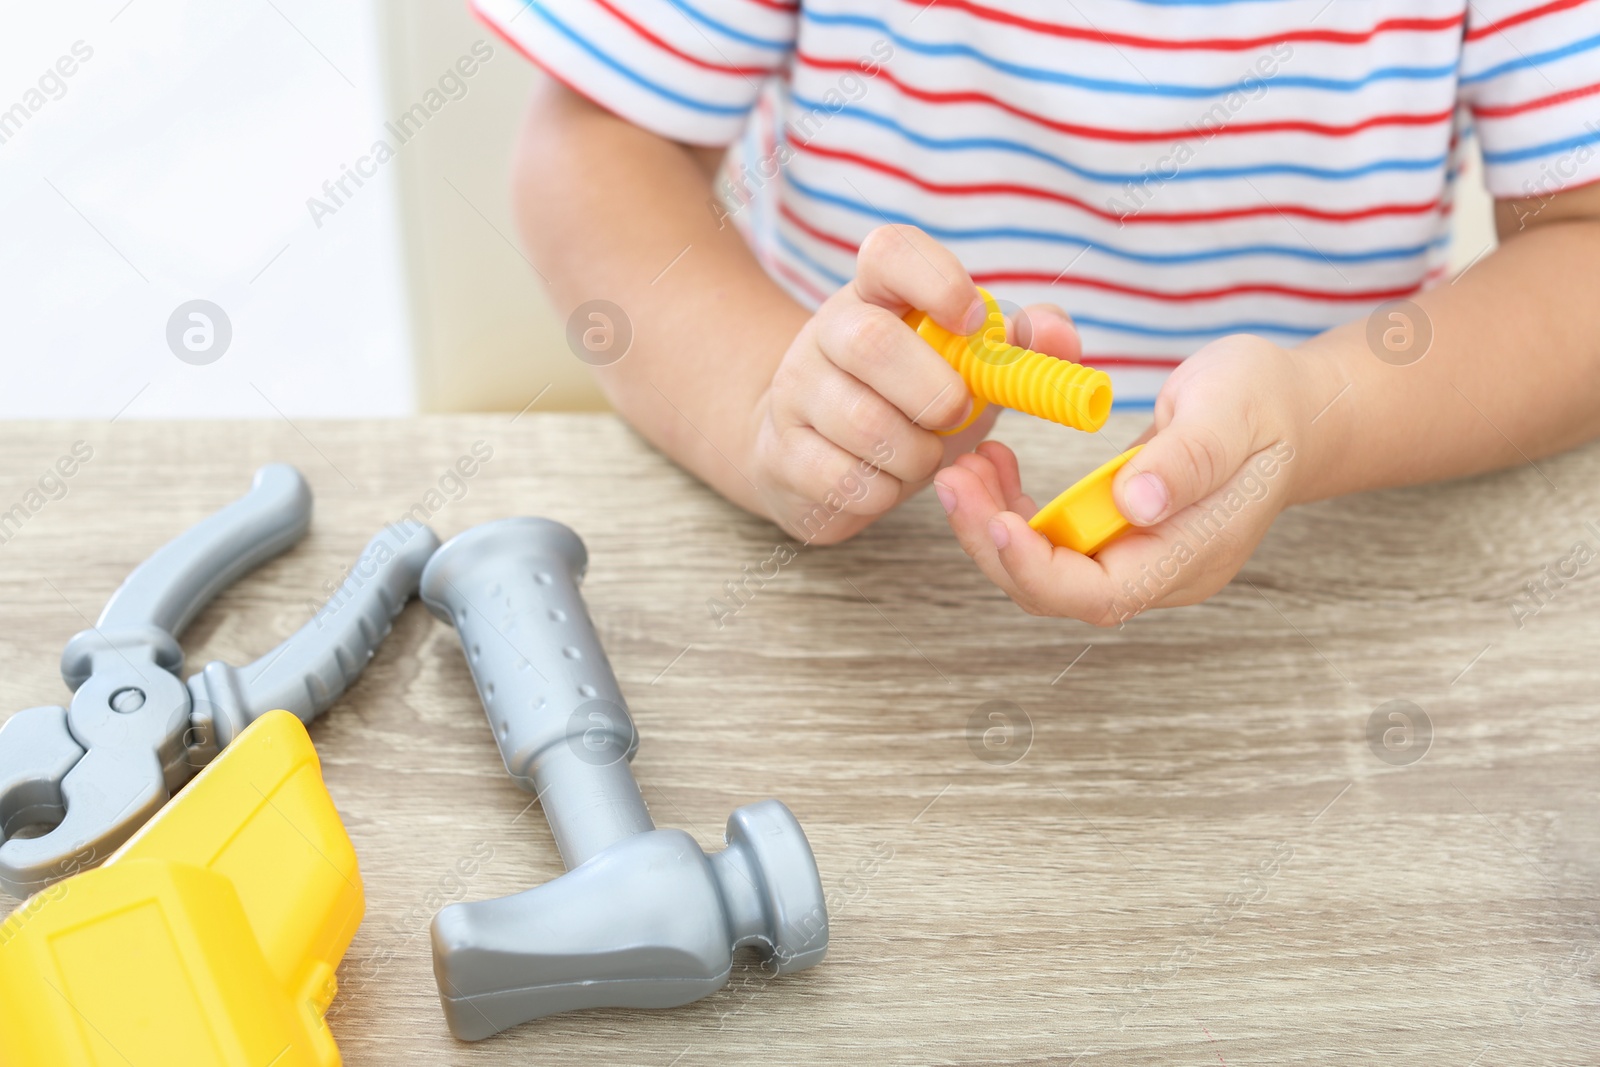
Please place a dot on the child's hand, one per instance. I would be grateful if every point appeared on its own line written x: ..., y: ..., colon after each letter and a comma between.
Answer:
x: 847, y: 429
x: 1219, y: 465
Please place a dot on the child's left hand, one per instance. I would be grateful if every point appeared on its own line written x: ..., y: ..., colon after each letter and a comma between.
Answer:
x: 1225, y: 454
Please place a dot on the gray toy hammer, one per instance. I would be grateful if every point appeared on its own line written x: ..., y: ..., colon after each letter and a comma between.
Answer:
x: 642, y: 918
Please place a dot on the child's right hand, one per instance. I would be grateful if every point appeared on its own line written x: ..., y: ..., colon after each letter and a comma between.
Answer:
x: 846, y: 430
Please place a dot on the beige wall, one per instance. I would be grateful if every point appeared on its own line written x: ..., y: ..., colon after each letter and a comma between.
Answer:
x: 1473, y: 233
x: 485, y: 337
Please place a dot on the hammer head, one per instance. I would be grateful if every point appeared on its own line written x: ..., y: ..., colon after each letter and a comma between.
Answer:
x: 651, y: 922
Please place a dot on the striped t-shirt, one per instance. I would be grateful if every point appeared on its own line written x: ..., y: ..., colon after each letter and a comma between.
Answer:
x: 1168, y: 171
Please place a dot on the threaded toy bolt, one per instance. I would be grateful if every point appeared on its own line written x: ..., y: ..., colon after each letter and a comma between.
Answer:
x: 1031, y: 382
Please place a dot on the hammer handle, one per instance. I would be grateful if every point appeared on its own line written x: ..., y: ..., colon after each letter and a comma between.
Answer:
x: 510, y: 588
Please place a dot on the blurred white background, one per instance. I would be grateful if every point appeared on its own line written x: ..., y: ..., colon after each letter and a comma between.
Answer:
x: 176, y: 162
x: 176, y: 165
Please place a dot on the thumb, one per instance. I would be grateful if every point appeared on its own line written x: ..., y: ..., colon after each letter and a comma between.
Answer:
x: 1185, y: 461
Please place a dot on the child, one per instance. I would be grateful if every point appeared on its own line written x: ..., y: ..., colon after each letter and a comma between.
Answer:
x: 1251, y: 195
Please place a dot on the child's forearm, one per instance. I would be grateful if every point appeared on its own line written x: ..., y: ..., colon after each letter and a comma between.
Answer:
x: 611, y: 212
x: 1512, y: 374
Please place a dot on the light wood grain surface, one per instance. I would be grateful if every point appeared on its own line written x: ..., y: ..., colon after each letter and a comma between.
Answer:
x: 1198, y: 858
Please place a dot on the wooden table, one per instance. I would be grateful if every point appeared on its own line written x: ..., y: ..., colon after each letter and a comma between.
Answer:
x: 1186, y: 851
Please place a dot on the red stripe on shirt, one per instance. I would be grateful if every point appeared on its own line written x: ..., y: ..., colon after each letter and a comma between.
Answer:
x: 799, y: 280
x: 1214, y: 44
x: 522, y: 50
x: 1136, y: 362
x: 1083, y: 282
x: 1245, y: 289
x: 826, y: 238
x: 1521, y: 17
x: 1103, y: 133
x: 1217, y: 215
x: 1506, y: 110
x: 670, y: 49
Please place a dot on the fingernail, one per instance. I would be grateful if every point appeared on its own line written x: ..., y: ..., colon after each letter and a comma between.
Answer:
x: 1146, y: 498
x: 999, y: 534
x: 947, y: 499
x: 966, y: 413
x: 975, y: 316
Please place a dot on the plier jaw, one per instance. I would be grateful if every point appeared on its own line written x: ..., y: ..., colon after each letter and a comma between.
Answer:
x: 36, y: 757
x: 134, y: 732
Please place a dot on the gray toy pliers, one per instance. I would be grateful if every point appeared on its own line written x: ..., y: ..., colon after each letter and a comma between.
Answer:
x: 134, y: 732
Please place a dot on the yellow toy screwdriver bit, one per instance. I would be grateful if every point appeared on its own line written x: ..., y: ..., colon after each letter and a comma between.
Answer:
x: 998, y: 372
x: 1084, y: 517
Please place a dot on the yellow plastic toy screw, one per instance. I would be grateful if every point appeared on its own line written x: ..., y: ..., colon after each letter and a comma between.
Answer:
x: 998, y: 372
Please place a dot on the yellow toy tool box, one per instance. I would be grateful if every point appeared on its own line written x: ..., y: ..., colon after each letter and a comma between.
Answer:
x: 210, y: 938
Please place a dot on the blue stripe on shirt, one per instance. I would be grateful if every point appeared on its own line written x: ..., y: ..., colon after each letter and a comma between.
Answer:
x: 638, y: 79
x: 696, y: 15
x: 1538, y: 59
x: 1517, y: 155
x: 1145, y: 88
x: 837, y: 280
x: 1307, y: 252
x: 953, y: 144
